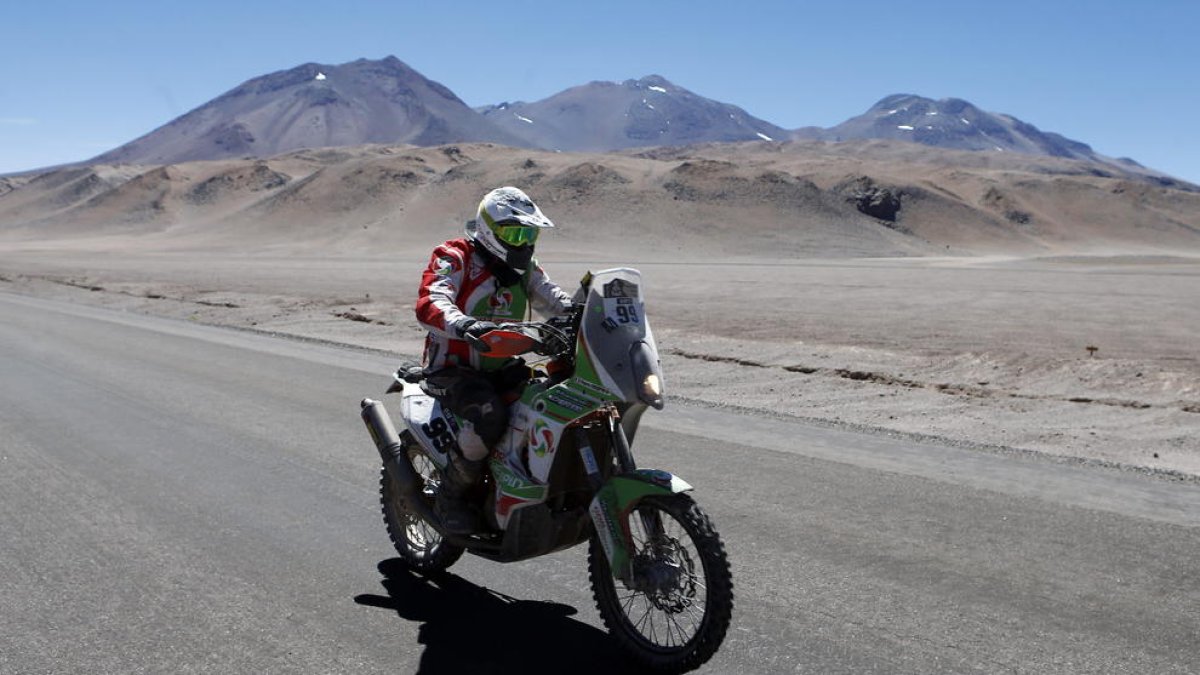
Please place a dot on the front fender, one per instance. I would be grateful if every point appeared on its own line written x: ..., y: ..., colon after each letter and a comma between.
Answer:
x: 629, y: 488
x: 616, y: 499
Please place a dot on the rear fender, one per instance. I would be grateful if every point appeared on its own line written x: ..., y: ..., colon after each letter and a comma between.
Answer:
x: 616, y: 499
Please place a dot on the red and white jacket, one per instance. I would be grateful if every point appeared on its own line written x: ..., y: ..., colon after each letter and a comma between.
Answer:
x: 458, y: 286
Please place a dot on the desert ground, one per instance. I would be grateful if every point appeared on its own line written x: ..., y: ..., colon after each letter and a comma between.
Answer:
x: 992, y: 353
x: 1012, y: 307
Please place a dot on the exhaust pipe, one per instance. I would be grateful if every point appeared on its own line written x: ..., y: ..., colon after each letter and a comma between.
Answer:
x: 392, y: 452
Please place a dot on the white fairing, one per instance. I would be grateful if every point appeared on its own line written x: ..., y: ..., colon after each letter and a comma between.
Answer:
x: 615, y: 327
x: 429, y: 424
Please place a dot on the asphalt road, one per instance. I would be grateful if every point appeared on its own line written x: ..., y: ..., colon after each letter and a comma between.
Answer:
x: 182, y: 498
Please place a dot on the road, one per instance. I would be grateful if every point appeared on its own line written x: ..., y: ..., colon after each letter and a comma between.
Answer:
x: 184, y: 498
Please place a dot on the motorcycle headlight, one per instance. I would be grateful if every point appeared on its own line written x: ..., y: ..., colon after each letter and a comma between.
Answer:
x: 651, y: 387
x: 647, y: 375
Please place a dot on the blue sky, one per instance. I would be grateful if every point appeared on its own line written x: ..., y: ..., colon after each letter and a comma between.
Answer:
x: 84, y: 77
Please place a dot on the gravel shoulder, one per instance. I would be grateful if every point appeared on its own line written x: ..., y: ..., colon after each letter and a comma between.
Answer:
x: 1080, y: 359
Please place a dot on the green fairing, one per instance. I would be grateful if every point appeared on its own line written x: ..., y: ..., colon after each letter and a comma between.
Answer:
x: 542, y: 399
x: 630, y: 488
x: 584, y: 369
x: 584, y: 386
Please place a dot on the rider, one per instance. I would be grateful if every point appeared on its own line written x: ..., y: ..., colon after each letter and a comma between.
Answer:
x: 471, y: 285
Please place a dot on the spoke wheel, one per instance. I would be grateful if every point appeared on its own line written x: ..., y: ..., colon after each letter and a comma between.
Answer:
x: 420, y: 546
x: 673, y: 614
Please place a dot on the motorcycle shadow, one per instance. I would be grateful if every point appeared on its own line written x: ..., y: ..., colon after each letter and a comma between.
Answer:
x: 470, y: 629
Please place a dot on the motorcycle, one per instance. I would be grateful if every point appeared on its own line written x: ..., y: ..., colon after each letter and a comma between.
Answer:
x: 564, y: 474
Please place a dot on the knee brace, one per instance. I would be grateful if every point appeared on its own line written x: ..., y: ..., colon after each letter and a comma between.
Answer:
x: 470, y: 444
x: 488, y: 418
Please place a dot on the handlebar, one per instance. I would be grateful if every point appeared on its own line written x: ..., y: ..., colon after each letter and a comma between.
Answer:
x: 554, y: 337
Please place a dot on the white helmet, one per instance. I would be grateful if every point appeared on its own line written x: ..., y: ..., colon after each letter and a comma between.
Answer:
x: 507, y: 225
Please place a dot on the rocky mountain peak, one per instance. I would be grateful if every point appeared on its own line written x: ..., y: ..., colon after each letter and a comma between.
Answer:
x: 954, y: 123
x: 316, y: 105
x: 605, y: 116
x: 652, y: 82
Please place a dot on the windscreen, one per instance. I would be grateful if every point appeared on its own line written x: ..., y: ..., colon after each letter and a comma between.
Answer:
x: 615, y: 329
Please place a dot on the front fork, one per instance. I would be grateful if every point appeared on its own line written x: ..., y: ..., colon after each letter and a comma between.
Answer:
x: 616, y: 498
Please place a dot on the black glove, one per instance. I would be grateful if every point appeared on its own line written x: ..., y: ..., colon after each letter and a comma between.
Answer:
x: 475, y: 328
x: 472, y: 330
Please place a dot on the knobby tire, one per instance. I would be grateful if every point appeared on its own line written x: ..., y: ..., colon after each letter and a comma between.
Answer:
x: 657, y: 628
x: 420, y: 546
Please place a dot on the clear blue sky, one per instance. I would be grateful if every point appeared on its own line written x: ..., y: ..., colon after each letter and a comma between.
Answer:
x: 1124, y: 76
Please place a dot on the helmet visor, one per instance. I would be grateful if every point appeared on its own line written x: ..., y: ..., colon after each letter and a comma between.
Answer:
x: 516, y: 234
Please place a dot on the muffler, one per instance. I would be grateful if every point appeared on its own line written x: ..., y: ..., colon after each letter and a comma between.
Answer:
x: 395, y: 460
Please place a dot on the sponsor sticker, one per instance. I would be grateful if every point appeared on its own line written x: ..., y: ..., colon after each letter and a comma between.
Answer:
x: 589, y: 460
x: 444, y: 267
x: 620, y: 288
x: 541, y: 439
x: 564, y: 400
x: 604, y: 527
x: 589, y: 389
x: 501, y: 301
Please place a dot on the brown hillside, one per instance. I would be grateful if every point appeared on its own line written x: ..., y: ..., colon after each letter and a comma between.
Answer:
x: 778, y: 200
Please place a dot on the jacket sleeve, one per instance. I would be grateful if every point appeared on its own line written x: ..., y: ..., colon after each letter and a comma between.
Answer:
x: 545, y: 296
x: 441, y: 282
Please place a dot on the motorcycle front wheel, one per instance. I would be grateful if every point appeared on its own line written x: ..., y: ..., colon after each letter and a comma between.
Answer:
x: 421, y: 547
x: 673, y: 614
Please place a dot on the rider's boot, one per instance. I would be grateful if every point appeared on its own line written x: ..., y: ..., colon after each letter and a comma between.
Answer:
x: 452, y: 505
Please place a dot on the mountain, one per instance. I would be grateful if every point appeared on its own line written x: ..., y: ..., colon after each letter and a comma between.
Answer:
x: 606, y: 116
x: 386, y: 102
x: 950, y: 123
x: 955, y: 124
x: 315, y: 105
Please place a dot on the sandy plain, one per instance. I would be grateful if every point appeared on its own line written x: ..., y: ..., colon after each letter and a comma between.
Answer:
x: 994, y: 353
x: 1015, y: 304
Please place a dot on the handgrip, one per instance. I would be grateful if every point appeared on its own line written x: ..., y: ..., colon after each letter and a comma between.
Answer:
x: 477, y: 343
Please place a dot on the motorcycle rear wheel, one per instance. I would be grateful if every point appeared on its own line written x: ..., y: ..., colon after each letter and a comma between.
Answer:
x: 675, y: 616
x: 421, y: 547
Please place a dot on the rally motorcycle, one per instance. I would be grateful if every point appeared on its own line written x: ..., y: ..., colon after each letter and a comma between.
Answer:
x: 564, y: 474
